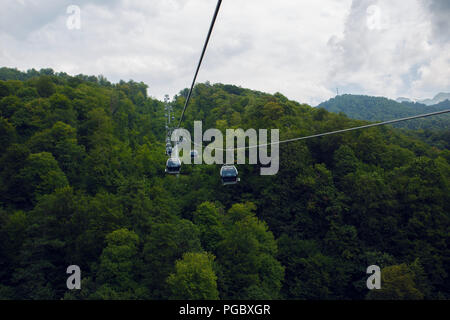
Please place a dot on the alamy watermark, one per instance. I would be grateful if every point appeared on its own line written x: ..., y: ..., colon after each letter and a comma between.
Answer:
x: 213, y: 153
x: 73, y: 21
x: 74, y: 281
x: 374, y: 281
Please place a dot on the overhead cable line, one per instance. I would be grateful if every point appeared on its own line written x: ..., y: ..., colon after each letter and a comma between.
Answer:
x: 350, y: 129
x: 219, y: 2
x: 216, y: 12
x: 339, y: 131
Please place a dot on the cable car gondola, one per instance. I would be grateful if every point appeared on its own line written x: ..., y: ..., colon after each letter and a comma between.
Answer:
x: 173, y: 166
x: 229, y: 174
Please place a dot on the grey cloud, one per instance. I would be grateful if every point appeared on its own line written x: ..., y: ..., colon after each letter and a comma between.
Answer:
x: 286, y: 46
x: 352, y: 50
x: 269, y: 47
x: 398, y: 54
x: 19, y: 18
x: 440, y: 16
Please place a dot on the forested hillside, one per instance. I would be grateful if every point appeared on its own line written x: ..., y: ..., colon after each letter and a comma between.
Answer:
x: 382, y: 109
x: 82, y: 183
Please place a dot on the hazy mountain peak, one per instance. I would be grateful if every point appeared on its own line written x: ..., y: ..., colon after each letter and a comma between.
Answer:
x: 442, y: 96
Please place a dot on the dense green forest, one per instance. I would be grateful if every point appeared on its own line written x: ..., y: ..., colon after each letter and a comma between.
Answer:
x: 82, y: 182
x: 383, y: 109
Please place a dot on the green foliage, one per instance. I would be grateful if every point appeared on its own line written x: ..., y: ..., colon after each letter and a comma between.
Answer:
x: 194, y: 278
x: 9, y: 105
x: 7, y: 134
x: 41, y: 175
x: 27, y: 93
x: 45, y: 87
x: 4, y: 89
x: 210, y: 223
x: 166, y: 243
x: 397, y: 283
x: 345, y: 161
x: 382, y: 109
x: 116, y: 271
x: 247, y: 257
x: 82, y: 182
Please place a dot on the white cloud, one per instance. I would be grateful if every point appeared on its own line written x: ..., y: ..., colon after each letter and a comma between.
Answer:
x: 398, y: 57
x: 303, y: 49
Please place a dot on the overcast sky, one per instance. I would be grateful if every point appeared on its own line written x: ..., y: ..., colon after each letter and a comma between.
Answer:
x: 301, y: 48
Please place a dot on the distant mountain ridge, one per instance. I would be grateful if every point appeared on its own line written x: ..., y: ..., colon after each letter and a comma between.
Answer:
x: 440, y: 97
x: 382, y: 109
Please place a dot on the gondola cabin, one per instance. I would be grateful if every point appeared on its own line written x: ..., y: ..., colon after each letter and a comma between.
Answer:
x: 173, y: 166
x: 229, y: 175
